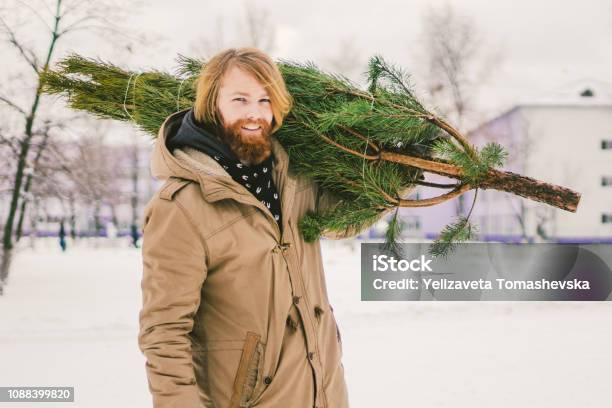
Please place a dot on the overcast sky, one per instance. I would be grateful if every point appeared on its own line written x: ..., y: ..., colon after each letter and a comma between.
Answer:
x: 545, y: 43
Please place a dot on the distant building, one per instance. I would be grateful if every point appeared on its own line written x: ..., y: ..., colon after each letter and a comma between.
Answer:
x: 564, y: 139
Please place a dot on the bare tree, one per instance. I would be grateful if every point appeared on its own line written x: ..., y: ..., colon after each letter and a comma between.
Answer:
x: 38, y: 147
x: 212, y: 42
x: 456, y: 62
x: 96, y: 172
x: 521, y: 148
x: 257, y: 29
x: 57, y: 21
x: 517, y: 142
x: 346, y: 60
x: 49, y: 184
x: 135, y: 194
x: 8, y: 150
x: 518, y: 136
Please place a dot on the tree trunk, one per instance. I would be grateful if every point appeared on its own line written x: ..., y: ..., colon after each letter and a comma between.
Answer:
x: 135, y: 196
x: 5, y: 264
x: 73, y: 233
x: 33, y: 223
x: 533, y: 189
x: 7, y: 238
x: 524, y: 186
x: 97, y: 223
x: 28, y: 186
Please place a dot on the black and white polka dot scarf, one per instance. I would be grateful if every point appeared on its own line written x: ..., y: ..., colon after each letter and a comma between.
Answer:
x: 257, y: 179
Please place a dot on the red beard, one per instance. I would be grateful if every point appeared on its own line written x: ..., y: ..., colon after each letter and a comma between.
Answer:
x: 249, y: 147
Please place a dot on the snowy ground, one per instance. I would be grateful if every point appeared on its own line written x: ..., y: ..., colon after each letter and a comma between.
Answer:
x: 71, y: 319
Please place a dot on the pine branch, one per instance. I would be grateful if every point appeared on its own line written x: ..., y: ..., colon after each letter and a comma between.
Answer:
x: 474, y: 169
x: 394, y: 232
x: 459, y: 231
x: 452, y: 234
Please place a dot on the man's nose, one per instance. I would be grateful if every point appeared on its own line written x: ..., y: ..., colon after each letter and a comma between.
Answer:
x: 253, y: 115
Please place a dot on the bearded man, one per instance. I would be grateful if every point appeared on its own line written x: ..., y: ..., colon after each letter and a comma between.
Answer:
x: 235, y: 307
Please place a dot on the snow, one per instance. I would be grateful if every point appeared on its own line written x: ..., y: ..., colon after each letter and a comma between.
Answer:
x: 71, y: 319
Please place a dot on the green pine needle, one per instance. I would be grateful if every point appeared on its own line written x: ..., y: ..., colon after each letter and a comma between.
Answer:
x: 474, y: 170
x: 493, y: 155
x: 393, y: 234
x: 452, y: 234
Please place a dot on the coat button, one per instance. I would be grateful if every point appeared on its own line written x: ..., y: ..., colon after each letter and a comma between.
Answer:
x: 310, y: 355
x: 284, y: 246
x: 318, y: 311
x: 268, y: 380
x: 292, y: 323
x: 296, y: 300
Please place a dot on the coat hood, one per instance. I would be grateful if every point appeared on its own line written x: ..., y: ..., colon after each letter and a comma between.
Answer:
x: 190, y: 134
x: 172, y: 158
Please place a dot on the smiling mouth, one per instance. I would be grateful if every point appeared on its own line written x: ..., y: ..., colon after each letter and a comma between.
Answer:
x: 251, y: 129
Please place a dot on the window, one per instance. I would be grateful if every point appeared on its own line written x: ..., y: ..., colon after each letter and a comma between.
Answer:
x: 606, y: 218
x: 606, y: 144
x: 606, y: 181
x: 412, y: 222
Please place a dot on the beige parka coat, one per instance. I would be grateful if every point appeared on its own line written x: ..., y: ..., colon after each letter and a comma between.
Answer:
x: 234, y: 313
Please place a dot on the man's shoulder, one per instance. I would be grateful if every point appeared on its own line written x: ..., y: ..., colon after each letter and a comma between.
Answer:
x: 173, y: 191
x: 171, y: 187
x: 174, y: 196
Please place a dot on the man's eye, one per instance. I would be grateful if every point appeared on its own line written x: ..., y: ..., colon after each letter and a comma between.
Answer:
x: 266, y: 100
x: 239, y: 99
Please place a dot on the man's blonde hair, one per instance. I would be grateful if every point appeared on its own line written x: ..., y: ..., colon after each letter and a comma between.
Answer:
x: 252, y: 60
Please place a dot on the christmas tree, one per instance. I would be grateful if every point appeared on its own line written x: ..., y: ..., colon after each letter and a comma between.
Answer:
x: 371, y: 147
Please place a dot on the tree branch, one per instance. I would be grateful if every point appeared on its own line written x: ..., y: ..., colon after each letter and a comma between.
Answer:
x: 13, y: 105
x: 9, y: 142
x: 36, y: 13
x: 27, y: 54
x: 462, y: 188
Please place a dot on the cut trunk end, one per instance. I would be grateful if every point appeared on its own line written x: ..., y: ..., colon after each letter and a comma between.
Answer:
x: 533, y: 189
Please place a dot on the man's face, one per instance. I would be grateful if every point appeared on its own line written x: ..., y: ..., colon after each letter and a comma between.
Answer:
x: 246, y: 112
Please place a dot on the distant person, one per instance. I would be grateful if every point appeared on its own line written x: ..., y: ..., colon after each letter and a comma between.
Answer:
x: 134, y: 235
x: 62, y: 236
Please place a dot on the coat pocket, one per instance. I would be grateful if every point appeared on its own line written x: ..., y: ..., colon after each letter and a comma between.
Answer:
x: 248, y: 374
x: 254, y: 385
